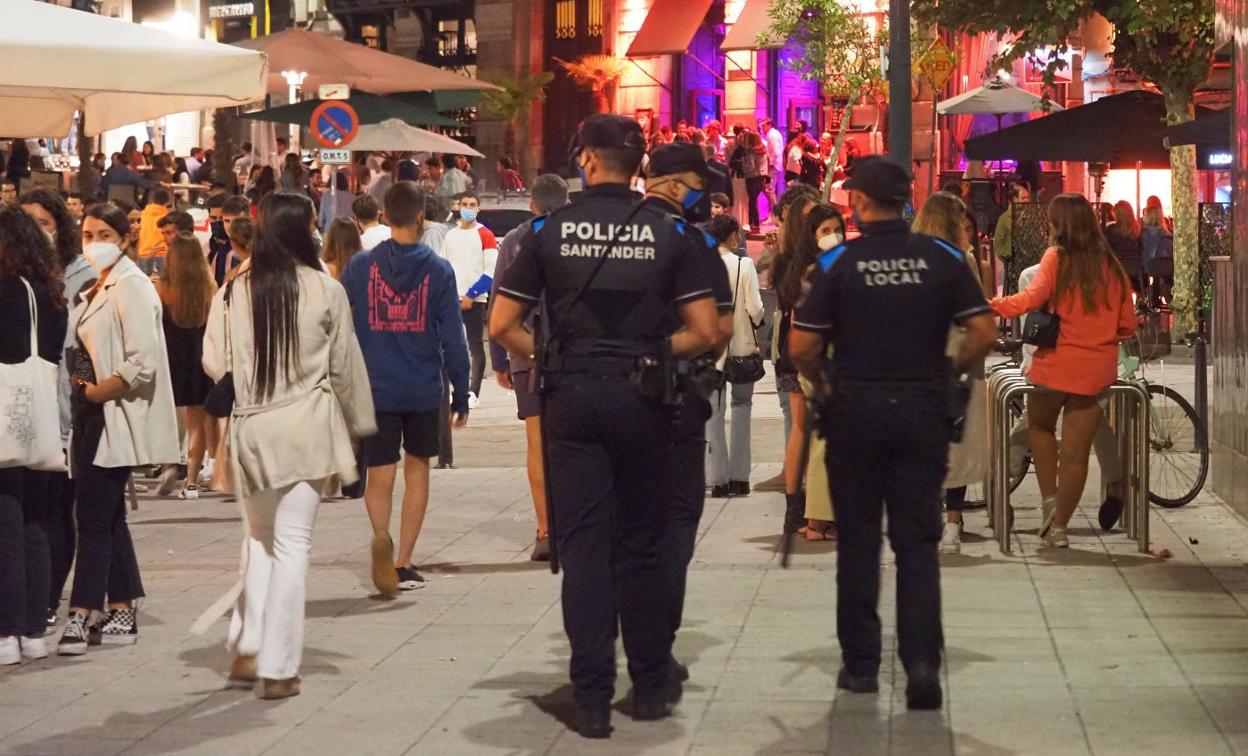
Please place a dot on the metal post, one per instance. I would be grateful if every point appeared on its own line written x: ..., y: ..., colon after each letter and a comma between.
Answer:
x: 1201, y: 357
x: 899, y: 116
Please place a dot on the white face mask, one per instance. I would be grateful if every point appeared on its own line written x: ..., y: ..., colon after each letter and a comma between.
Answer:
x: 102, y: 255
x: 829, y: 241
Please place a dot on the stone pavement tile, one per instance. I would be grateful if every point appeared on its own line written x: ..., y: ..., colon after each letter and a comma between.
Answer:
x: 770, y: 727
x: 962, y: 652
x: 1125, y: 742
x: 1093, y: 646
x: 1169, y: 710
x: 666, y: 737
x: 15, y: 714
x: 1124, y: 673
x: 1215, y: 667
x: 23, y: 745
x: 1228, y: 705
x: 325, y: 735
x: 1013, y: 675
x: 492, y: 722
x: 1037, y: 720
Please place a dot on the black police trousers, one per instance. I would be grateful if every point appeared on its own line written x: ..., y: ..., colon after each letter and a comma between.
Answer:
x: 609, y: 469
x: 887, y: 448
x: 686, y: 499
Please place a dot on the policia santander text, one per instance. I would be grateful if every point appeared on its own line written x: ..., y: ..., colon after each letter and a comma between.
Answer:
x: 884, y: 303
x: 608, y: 435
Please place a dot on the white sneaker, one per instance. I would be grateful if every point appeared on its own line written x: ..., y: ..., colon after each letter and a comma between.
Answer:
x: 205, y: 472
x: 1048, y: 509
x: 10, y: 651
x: 473, y: 401
x: 34, y: 648
x: 951, y: 541
x: 190, y: 492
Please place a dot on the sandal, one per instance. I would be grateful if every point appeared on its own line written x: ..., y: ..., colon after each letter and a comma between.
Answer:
x: 825, y: 533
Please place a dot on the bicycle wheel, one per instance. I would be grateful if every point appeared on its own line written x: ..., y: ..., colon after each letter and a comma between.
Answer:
x: 1178, y: 460
x: 1016, y: 414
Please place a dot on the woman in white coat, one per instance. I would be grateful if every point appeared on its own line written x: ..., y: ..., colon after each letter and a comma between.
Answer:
x: 943, y: 217
x: 282, y: 329
x: 123, y: 417
x: 728, y: 462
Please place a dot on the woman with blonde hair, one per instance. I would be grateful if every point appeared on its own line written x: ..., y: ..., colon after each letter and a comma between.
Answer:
x: 186, y: 289
x: 944, y: 218
x: 342, y: 242
x: 1082, y: 282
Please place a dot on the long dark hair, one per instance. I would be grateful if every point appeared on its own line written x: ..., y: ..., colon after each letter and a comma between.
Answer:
x: 805, y: 253
x: 1085, y: 261
x: 283, y: 242
x: 68, y: 235
x: 25, y: 251
x: 265, y: 183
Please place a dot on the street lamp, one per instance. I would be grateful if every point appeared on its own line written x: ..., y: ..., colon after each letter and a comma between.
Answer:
x: 294, y: 80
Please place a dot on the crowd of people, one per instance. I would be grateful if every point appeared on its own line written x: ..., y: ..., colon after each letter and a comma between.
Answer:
x: 209, y: 361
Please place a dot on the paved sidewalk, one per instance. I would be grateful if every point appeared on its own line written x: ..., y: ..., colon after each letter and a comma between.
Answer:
x: 1098, y: 649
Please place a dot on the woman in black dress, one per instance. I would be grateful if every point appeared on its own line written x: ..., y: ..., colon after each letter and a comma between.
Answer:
x: 25, y: 255
x: 186, y: 290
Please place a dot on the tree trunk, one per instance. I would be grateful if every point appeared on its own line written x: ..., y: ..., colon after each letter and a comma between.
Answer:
x: 224, y: 148
x: 88, y: 179
x: 836, y: 147
x: 1186, y: 299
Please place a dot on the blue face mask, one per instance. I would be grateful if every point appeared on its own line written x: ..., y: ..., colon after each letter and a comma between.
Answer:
x: 467, y: 215
x: 691, y: 198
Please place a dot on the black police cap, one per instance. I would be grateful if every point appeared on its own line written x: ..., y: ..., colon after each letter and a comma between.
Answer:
x: 677, y: 157
x: 880, y: 179
x: 606, y: 130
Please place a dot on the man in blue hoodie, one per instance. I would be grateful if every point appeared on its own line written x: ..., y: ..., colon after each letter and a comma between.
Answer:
x: 406, y: 310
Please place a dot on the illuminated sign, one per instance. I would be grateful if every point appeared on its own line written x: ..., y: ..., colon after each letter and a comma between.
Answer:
x: 232, y: 10
x: 1221, y: 159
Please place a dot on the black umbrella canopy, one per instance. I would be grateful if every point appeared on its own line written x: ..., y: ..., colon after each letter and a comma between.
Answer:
x: 1122, y: 130
x: 419, y: 109
x: 1213, y: 130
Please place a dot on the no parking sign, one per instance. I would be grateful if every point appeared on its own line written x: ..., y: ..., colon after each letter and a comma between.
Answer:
x: 334, y: 124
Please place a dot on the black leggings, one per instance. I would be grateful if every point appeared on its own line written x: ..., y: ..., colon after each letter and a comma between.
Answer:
x: 753, y: 189
x: 955, y: 499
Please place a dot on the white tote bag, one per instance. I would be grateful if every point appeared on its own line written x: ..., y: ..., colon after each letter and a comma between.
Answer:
x: 30, y: 426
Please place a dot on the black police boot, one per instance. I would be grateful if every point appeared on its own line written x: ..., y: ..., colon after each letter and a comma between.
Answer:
x: 679, y: 672
x: 846, y: 680
x: 593, y: 721
x: 923, y: 687
x: 794, y: 511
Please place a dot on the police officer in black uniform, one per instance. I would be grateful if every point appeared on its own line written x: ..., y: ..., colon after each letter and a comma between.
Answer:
x: 611, y: 272
x: 884, y: 302
x: 676, y: 184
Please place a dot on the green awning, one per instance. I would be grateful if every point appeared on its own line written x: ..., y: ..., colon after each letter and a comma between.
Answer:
x: 422, y: 111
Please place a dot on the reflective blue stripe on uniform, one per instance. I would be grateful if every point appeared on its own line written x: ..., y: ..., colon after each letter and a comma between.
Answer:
x: 949, y: 248
x: 827, y: 259
x: 680, y: 224
x: 538, y: 223
x: 710, y: 240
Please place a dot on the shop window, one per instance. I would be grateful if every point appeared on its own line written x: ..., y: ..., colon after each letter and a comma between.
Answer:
x: 371, y: 35
x: 594, y: 18
x: 565, y: 19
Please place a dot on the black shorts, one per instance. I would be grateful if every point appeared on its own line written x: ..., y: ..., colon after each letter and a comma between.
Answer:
x: 415, y: 432
x: 528, y: 404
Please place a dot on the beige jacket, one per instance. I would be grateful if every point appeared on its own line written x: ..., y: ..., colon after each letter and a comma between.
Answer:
x: 121, y: 329
x: 304, y: 431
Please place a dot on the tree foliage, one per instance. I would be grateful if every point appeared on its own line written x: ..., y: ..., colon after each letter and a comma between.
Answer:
x: 513, y: 100
x: 1167, y: 42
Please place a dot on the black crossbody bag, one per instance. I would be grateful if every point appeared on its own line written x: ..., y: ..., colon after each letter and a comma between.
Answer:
x: 1041, y: 328
x: 747, y: 368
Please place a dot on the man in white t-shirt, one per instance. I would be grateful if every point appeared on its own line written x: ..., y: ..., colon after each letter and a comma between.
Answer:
x: 473, y: 252
x: 367, y: 212
x: 775, y: 159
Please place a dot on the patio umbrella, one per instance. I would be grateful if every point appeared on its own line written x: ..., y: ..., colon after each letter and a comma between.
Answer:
x: 1123, y: 130
x: 58, y: 60
x: 1213, y: 130
x: 396, y: 136
x: 371, y: 109
x: 995, y: 98
x: 327, y: 60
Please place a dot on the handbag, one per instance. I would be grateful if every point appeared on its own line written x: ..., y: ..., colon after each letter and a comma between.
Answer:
x: 747, y: 368
x: 30, y: 421
x: 219, y: 402
x: 1041, y: 328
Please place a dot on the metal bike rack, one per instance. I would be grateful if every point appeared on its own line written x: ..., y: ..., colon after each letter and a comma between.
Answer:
x: 1128, y: 413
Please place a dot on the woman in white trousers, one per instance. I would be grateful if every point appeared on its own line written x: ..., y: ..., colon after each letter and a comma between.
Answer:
x: 282, y: 329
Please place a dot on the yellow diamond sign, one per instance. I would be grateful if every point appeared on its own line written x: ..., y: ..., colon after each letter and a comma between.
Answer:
x: 937, y: 65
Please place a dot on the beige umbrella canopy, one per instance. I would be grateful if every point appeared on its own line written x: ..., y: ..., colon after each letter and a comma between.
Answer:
x: 327, y: 60
x: 396, y: 136
x: 57, y: 60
